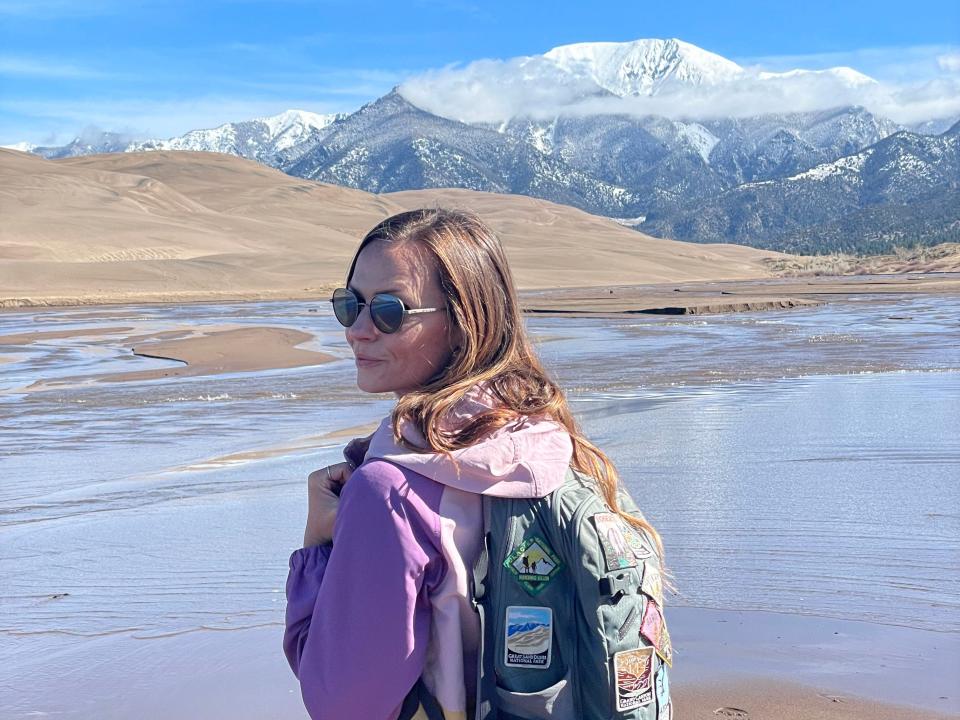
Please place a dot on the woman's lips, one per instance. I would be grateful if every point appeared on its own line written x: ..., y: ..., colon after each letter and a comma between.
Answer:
x: 366, y: 362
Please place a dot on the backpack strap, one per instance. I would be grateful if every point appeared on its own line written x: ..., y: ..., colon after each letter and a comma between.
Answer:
x: 419, y: 703
x: 486, y: 682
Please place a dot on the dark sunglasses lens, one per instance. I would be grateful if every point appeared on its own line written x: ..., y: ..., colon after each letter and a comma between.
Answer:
x: 345, y: 306
x: 387, y: 313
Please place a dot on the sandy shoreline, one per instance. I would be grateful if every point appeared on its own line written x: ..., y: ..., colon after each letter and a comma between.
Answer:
x: 668, y: 298
x: 203, y: 351
x: 242, y: 674
x: 729, y: 296
x: 207, y: 350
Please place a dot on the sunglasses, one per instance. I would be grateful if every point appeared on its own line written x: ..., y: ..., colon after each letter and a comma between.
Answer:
x: 387, y: 311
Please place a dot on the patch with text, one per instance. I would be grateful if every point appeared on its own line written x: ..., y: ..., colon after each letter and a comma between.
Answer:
x: 634, y: 672
x: 533, y: 563
x: 528, y: 637
x: 615, y: 550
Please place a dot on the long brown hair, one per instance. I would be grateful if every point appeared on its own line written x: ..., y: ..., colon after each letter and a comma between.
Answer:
x: 494, y: 347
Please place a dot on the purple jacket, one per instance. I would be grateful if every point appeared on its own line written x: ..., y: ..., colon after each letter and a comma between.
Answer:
x: 388, y: 601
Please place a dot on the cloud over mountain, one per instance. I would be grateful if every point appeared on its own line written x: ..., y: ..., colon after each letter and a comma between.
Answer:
x: 669, y: 78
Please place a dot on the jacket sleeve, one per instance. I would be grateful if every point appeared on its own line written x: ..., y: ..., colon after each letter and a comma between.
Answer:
x: 358, y: 613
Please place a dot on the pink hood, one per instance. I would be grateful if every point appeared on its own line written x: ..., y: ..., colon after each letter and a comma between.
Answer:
x: 526, y: 458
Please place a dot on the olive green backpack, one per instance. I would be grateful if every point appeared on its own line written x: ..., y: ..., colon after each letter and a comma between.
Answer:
x: 570, y: 598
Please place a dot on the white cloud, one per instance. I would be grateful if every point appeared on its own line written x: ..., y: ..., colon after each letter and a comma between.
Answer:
x: 492, y: 91
x: 950, y: 62
x: 915, y: 63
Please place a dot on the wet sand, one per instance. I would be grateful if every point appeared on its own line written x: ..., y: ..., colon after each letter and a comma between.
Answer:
x: 240, y: 350
x: 296, y: 445
x: 787, y: 666
x: 203, y: 352
x: 242, y: 674
x: 731, y: 296
x: 771, y: 700
x: 43, y: 335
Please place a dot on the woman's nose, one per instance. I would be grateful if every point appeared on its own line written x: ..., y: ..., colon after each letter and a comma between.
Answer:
x: 363, y: 327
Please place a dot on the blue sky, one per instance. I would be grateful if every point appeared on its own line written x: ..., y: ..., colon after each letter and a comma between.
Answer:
x: 155, y: 68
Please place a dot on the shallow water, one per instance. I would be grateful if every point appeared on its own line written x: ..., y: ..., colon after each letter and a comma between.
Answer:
x: 803, y: 461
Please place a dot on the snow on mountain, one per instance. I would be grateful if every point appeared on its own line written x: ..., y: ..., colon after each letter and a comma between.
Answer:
x: 259, y: 139
x: 643, y: 67
x: 901, y: 189
x: 651, y: 76
x: 290, y: 127
x: 90, y: 142
x: 845, y: 75
x: 699, y: 138
x: 20, y: 146
x: 849, y: 166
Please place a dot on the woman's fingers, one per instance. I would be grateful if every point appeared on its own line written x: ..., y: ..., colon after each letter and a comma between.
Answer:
x: 340, y: 473
x: 330, y: 479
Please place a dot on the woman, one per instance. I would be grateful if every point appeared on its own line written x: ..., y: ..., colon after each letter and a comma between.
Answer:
x: 378, y: 597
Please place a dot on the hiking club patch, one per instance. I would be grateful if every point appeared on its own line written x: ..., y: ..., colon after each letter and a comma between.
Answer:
x: 634, y: 672
x: 533, y: 563
x: 528, y: 637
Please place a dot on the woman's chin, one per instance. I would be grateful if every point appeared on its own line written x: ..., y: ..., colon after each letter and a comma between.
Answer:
x: 369, y: 384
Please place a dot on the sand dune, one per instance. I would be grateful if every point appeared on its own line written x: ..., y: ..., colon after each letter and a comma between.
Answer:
x: 202, y: 226
x: 554, y: 245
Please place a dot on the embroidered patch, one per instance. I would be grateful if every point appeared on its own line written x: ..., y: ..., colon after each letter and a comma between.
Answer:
x: 652, y: 583
x: 666, y: 651
x: 634, y: 672
x: 534, y: 564
x: 529, y: 637
x: 615, y: 549
x: 662, y: 689
x: 654, y: 629
x: 666, y: 712
x: 637, y: 544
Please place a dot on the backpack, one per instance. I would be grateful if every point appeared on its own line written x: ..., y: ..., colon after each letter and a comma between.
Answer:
x: 570, y: 599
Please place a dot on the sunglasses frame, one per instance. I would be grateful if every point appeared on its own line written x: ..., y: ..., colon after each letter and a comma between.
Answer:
x: 375, y: 316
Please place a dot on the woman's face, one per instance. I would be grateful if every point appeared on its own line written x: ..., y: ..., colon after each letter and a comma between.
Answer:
x: 402, y: 361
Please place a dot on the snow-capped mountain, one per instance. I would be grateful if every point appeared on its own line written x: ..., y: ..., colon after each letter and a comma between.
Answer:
x: 652, y: 76
x: 713, y: 177
x: 391, y: 145
x: 643, y: 67
x: 20, y: 147
x: 902, y: 189
x: 270, y: 140
x: 845, y: 75
x: 89, y: 143
x: 649, y: 67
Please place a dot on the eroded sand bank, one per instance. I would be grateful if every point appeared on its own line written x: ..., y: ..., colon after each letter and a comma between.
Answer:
x: 202, y: 351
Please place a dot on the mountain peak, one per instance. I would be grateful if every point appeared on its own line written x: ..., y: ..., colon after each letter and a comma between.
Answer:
x: 278, y: 124
x: 643, y: 67
x: 845, y: 75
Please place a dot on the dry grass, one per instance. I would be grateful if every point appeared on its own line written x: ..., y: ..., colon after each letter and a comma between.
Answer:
x: 937, y: 258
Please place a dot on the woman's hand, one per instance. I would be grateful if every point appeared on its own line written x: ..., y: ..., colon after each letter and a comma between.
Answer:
x: 323, y: 493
